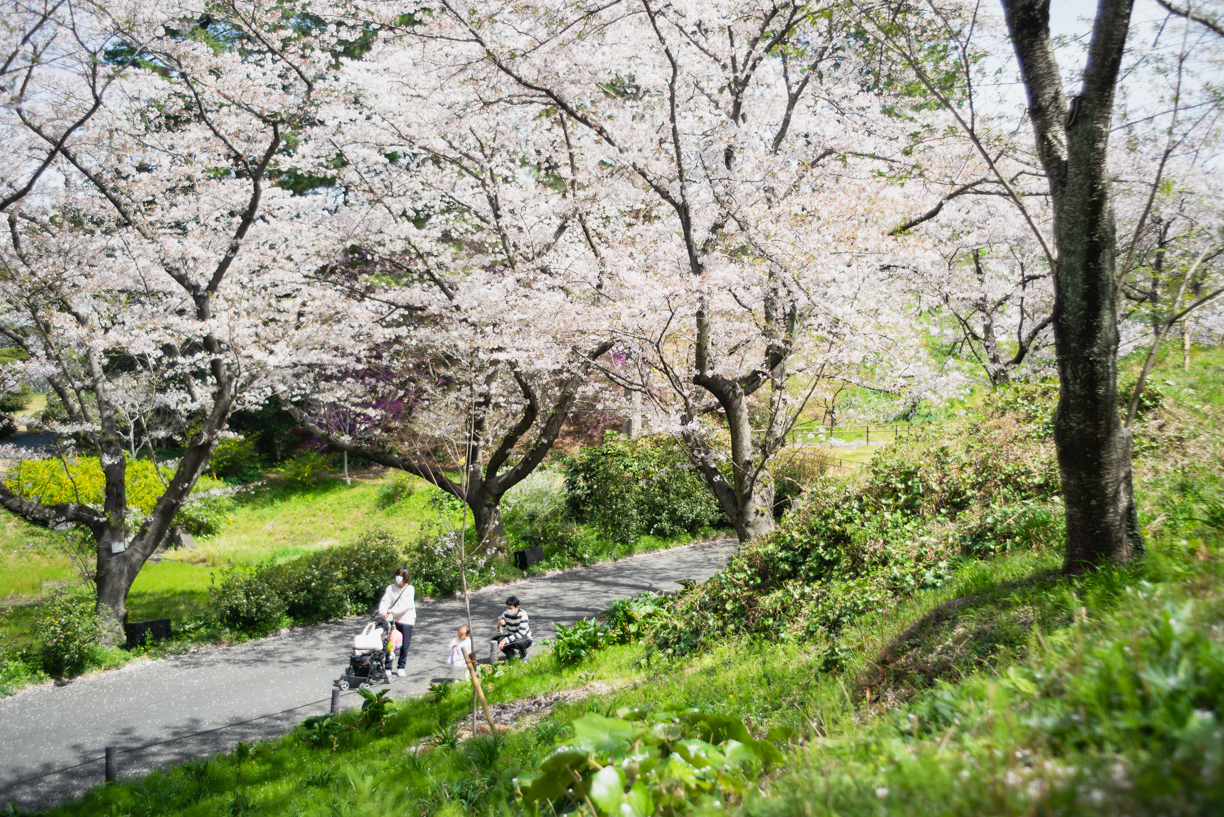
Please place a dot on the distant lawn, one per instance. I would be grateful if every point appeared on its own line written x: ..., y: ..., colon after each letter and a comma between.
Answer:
x: 273, y: 523
x: 282, y: 522
x: 26, y: 563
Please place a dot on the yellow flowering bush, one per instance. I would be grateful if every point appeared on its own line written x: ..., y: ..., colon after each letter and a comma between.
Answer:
x: 80, y: 479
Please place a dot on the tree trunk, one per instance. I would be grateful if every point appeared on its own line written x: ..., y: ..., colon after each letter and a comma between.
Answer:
x: 486, y: 518
x: 116, y: 573
x: 753, y: 491
x: 632, y: 428
x: 1185, y: 346
x: 1072, y: 141
x: 748, y: 499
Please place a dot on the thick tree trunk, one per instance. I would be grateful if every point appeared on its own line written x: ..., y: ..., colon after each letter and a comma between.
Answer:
x: 753, y: 491
x: 1094, y: 449
x: 1072, y: 141
x: 486, y: 518
x: 116, y: 573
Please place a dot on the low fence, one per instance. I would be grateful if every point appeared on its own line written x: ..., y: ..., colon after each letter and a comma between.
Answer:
x: 883, y: 433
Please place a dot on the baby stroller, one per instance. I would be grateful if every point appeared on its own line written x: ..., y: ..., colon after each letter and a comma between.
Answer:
x: 373, y: 651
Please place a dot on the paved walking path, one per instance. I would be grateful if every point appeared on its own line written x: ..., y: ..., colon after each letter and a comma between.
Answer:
x: 53, y: 727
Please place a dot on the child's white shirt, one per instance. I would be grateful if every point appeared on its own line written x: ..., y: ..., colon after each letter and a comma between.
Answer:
x: 458, y: 649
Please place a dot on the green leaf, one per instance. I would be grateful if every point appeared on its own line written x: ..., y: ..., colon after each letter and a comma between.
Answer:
x: 602, y: 734
x: 700, y: 754
x: 639, y: 801
x: 608, y: 789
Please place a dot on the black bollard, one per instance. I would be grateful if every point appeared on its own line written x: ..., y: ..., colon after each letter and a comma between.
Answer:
x: 335, y: 701
x: 110, y: 763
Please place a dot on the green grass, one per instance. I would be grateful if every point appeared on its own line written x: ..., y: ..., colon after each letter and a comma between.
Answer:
x: 1008, y: 690
x: 169, y: 590
x: 281, y: 522
x: 857, y: 750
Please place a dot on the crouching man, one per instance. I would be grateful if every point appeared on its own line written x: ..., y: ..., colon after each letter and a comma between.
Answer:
x: 514, y: 630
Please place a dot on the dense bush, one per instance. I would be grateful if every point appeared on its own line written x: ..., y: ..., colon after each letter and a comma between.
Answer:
x: 645, y: 486
x: 575, y: 643
x: 630, y: 620
x: 11, y: 404
x: 533, y: 508
x: 203, y: 516
x: 235, y: 458
x: 793, y: 472
x: 337, y: 581
x: 306, y: 469
x: 322, y: 585
x: 69, y: 630
x: 245, y: 600
x: 434, y: 565
x: 536, y: 512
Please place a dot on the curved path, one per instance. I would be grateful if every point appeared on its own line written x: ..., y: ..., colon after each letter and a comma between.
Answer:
x: 231, y: 694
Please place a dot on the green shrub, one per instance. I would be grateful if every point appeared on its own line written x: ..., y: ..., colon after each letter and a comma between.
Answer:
x: 235, y: 458
x: 859, y: 546
x: 629, y: 620
x: 15, y: 402
x: 1032, y: 404
x: 337, y: 581
x: 306, y: 469
x: 578, y: 642
x: 533, y: 509
x: 434, y: 565
x: 791, y: 474
x: 17, y: 669
x: 206, y: 515
x: 396, y: 488
x: 247, y: 601
x: 69, y: 630
x: 645, y: 486
x: 566, y: 543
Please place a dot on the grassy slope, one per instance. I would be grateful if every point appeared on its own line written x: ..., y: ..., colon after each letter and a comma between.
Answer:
x: 1009, y: 690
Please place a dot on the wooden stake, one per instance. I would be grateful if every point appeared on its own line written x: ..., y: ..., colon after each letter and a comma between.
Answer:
x: 479, y: 692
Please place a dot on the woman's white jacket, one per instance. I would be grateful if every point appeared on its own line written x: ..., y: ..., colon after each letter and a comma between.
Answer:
x: 400, y: 602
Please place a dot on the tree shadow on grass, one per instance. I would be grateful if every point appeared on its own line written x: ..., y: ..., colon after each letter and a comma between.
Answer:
x: 172, y: 604
x: 977, y: 632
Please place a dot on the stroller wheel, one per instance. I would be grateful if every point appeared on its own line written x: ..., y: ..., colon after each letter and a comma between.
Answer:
x: 343, y: 683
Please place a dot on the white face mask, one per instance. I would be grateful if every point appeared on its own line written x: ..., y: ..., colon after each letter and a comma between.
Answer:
x: 399, y: 579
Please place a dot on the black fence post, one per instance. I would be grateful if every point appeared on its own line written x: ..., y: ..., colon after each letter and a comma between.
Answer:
x: 335, y: 703
x: 110, y: 763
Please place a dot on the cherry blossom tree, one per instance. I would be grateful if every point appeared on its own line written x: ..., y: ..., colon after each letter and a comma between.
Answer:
x: 1077, y: 161
x: 158, y: 233
x: 468, y: 257
x: 737, y: 154
x: 54, y: 75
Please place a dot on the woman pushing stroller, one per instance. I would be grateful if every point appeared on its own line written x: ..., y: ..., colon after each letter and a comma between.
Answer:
x: 398, y: 606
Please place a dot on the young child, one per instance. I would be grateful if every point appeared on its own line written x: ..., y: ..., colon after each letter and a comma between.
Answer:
x: 460, y: 646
